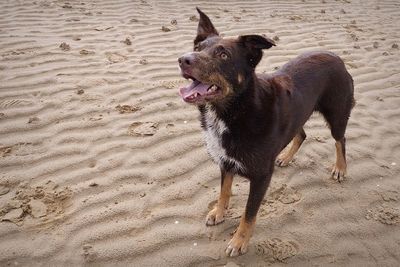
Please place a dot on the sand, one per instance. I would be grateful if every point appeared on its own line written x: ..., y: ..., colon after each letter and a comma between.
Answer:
x: 102, y: 164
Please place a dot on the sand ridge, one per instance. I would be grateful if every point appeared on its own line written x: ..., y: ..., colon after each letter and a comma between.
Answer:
x: 102, y: 164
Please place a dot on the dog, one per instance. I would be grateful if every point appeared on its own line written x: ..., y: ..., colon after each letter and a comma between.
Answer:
x: 249, y: 118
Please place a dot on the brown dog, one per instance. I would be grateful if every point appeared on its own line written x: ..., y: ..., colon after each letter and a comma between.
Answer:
x: 249, y: 118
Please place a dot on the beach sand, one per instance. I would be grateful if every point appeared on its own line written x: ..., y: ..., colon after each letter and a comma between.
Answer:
x: 102, y: 164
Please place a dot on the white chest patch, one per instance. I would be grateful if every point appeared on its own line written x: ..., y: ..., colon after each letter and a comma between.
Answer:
x: 215, y: 128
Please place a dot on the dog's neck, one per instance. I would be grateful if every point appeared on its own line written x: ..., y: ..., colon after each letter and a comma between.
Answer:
x: 249, y: 99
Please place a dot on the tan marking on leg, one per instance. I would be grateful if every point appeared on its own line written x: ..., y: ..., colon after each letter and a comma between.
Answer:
x: 339, y: 170
x: 216, y: 215
x: 240, y: 240
x: 285, y: 157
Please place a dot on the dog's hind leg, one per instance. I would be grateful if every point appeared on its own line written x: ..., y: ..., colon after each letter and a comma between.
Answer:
x: 216, y: 215
x: 337, y: 121
x: 339, y: 170
x: 285, y: 157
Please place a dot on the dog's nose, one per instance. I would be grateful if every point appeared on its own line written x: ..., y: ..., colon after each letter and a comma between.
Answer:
x: 185, y: 60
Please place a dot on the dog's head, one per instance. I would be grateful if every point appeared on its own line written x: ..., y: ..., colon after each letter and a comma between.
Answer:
x: 219, y: 67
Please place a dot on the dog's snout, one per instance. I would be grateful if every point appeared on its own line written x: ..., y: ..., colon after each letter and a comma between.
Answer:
x: 186, y: 60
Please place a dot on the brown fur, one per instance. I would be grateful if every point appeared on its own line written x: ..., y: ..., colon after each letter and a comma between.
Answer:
x: 262, y: 113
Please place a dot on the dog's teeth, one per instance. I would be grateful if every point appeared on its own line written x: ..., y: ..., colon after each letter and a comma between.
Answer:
x: 213, y: 88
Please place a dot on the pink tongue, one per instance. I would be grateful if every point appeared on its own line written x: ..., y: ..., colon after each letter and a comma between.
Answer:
x: 194, y: 87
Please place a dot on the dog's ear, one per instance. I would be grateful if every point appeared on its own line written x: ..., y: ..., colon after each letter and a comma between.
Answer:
x: 254, y: 44
x: 205, y: 27
x: 256, y: 41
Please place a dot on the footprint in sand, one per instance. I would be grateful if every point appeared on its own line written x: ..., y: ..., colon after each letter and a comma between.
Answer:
x: 143, y: 61
x: 390, y: 195
x: 33, y: 120
x: 115, y: 57
x: 285, y: 195
x: 143, y: 128
x: 384, y: 214
x: 5, y: 151
x: 64, y: 46
x: 4, y: 190
x: 127, y: 41
x: 278, y: 200
x: 45, y: 202
x: 88, y: 253
x: 272, y: 250
x: 85, y: 52
x: 193, y: 18
x: 165, y: 29
x: 122, y: 109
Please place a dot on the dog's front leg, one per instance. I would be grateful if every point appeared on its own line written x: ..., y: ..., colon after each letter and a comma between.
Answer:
x: 216, y: 215
x: 240, y: 240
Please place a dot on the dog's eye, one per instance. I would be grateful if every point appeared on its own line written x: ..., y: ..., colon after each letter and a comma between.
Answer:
x: 224, y: 55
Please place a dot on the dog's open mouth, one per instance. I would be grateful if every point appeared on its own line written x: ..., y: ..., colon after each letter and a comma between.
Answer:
x: 198, y: 92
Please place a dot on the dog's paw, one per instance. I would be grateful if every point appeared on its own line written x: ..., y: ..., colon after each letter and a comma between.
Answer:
x: 238, y: 245
x: 338, y: 174
x: 215, y: 216
x: 283, y: 160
